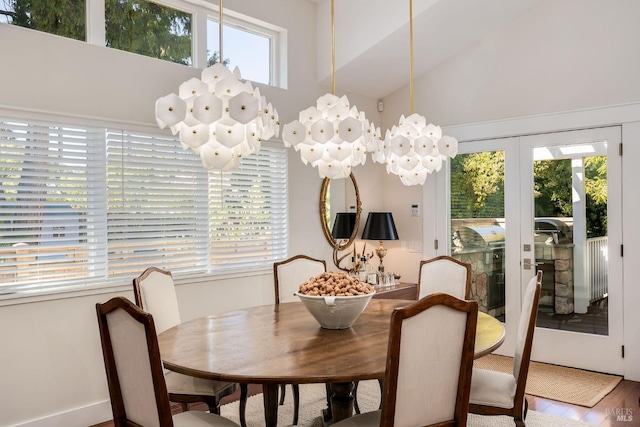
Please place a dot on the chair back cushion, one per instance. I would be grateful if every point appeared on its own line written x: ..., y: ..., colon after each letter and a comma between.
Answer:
x: 527, y: 326
x: 291, y: 273
x: 444, y: 274
x: 132, y: 360
x: 134, y: 371
x: 156, y: 294
x: 429, y: 363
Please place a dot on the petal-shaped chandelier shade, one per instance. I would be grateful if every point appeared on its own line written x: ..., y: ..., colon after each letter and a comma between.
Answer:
x: 332, y: 136
x: 413, y: 149
x: 220, y: 117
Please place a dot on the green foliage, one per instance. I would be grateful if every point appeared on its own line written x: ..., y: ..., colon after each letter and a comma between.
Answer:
x: 552, y: 188
x: 215, y: 58
x: 64, y: 18
x: 595, y: 171
x: 477, y: 185
x: 477, y: 188
x: 148, y: 29
x: 135, y: 26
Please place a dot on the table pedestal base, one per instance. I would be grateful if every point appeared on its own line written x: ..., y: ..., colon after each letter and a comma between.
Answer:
x: 341, y: 400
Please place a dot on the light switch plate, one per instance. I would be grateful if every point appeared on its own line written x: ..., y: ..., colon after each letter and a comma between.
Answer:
x: 415, y: 210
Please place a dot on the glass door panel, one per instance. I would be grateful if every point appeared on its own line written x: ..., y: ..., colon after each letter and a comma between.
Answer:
x: 481, y: 180
x: 571, y: 205
x: 570, y: 235
x: 550, y: 202
x: 477, y: 224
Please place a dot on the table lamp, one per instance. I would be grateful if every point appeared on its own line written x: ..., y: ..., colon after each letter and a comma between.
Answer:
x: 380, y: 226
x: 343, y: 227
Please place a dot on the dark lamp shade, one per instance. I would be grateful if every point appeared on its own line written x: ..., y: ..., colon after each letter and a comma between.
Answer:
x: 380, y: 226
x: 343, y: 225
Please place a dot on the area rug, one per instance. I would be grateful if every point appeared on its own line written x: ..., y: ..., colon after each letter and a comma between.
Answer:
x: 313, y: 400
x: 554, y: 382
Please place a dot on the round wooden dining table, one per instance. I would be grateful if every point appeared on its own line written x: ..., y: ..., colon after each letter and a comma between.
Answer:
x: 283, y: 344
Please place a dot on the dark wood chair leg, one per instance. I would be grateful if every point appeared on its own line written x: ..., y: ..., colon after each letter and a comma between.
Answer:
x: 327, y: 413
x: 283, y: 390
x: 356, y: 407
x: 214, y: 407
x: 185, y: 407
x: 244, y: 395
x: 296, y: 402
x: 380, y: 382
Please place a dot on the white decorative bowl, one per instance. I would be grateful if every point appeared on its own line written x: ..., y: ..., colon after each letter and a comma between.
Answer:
x: 338, y: 312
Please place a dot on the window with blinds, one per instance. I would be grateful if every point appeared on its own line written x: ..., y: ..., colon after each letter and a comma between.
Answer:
x: 83, y: 206
x: 52, y: 205
x: 248, y: 211
x: 157, y: 212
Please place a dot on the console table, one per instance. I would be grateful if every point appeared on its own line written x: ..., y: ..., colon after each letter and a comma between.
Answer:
x: 400, y: 291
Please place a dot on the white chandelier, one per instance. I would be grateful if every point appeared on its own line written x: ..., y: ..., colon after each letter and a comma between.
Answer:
x: 220, y: 117
x: 412, y: 149
x: 332, y: 136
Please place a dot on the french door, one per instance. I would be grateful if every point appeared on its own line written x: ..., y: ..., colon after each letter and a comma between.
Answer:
x: 549, y: 202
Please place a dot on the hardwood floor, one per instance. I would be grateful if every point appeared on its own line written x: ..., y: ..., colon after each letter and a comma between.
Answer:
x: 624, y: 400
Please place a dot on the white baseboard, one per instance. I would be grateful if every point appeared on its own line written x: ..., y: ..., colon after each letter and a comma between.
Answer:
x: 81, y: 417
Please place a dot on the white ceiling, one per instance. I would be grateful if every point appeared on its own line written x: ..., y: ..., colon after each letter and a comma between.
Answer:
x: 442, y: 28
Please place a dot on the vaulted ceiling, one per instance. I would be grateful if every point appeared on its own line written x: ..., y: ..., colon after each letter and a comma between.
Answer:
x: 372, y: 37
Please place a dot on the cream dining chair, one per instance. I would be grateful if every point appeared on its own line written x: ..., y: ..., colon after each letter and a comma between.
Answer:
x: 155, y: 293
x: 497, y: 393
x: 290, y: 273
x: 444, y: 274
x: 134, y: 371
x: 422, y: 386
x: 287, y: 276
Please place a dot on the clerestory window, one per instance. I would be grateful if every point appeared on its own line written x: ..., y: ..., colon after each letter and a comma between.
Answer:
x: 62, y: 18
x: 162, y: 29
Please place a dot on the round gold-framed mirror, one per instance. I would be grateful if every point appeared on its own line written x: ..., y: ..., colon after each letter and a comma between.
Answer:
x: 339, y: 195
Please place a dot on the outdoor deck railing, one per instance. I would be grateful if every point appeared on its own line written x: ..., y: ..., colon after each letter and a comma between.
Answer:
x: 597, y: 267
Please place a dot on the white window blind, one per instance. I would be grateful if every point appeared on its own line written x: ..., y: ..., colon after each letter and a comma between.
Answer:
x: 157, y: 211
x: 248, y: 210
x: 52, y: 205
x: 80, y: 205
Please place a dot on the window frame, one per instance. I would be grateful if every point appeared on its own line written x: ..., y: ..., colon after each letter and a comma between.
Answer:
x: 200, y: 12
x: 109, y: 283
x: 240, y: 23
x: 176, y: 5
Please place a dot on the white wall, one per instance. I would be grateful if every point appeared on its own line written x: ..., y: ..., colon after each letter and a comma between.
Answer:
x: 51, y: 369
x: 560, y: 56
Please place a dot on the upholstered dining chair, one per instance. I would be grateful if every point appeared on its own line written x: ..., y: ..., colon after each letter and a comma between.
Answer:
x: 134, y: 371
x: 155, y: 293
x: 287, y: 276
x: 444, y: 274
x: 497, y: 393
x: 424, y: 386
x: 290, y: 273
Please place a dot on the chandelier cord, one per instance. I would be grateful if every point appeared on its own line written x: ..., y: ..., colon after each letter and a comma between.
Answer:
x: 333, y: 49
x: 411, y: 97
x: 220, y: 34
